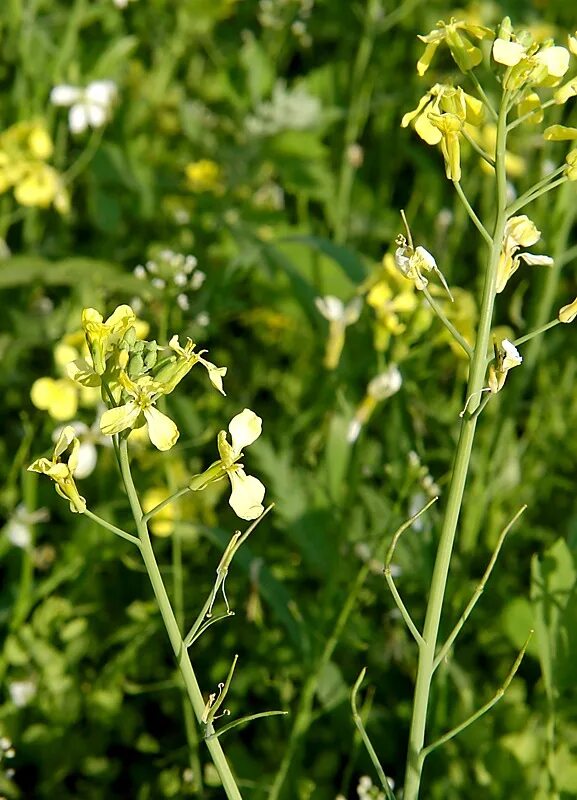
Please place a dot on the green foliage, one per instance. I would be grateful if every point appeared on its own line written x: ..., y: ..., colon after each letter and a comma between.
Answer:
x: 298, y: 104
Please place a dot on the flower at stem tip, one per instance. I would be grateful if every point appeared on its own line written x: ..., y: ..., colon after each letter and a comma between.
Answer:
x: 138, y: 410
x: 247, y: 492
x: 63, y: 473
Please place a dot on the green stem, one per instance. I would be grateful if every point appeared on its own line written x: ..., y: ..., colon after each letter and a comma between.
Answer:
x: 448, y: 324
x: 538, y: 332
x: 181, y: 654
x: 543, y: 186
x: 474, y: 218
x: 459, y: 475
x: 110, y: 527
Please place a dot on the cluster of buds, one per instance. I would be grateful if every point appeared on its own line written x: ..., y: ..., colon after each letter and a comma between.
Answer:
x: 174, y: 273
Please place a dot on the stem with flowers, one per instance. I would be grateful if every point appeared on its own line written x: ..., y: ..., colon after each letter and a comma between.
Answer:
x: 440, y: 118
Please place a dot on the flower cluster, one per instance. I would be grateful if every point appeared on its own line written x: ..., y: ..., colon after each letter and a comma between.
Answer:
x: 90, y: 107
x: 132, y: 374
x: 24, y: 151
x: 204, y: 176
x: 173, y: 273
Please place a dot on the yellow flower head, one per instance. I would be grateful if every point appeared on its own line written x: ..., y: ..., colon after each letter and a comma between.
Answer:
x: 204, y: 176
x: 63, y: 473
x: 24, y: 150
x: 101, y: 336
x: 438, y: 100
x: 529, y: 63
x: 455, y: 34
x: 138, y: 410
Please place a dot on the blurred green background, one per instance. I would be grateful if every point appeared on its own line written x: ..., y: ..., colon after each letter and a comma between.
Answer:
x: 251, y: 161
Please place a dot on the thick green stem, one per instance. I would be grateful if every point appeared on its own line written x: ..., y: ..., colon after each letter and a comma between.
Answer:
x: 476, y: 382
x: 181, y: 654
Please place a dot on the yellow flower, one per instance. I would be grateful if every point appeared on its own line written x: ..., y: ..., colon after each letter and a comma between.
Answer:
x: 506, y: 358
x: 455, y: 34
x: 139, y: 409
x: 441, y: 98
x: 247, y: 492
x: 339, y: 317
x: 530, y: 63
x: 568, y: 313
x: 59, y: 397
x: 170, y: 374
x: 24, y: 149
x: 519, y: 232
x: 394, y: 299
x: 63, y: 473
x: 204, y: 176
x: 102, y: 336
x: 571, y: 168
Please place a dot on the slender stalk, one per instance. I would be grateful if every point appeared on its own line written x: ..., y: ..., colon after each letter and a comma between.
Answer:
x: 447, y: 323
x: 474, y: 218
x: 181, y: 654
x: 483, y: 710
x: 537, y: 191
x: 459, y: 475
x: 358, y: 720
x: 478, y: 591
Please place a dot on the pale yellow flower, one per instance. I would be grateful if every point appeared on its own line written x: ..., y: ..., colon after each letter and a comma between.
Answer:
x: 455, y: 34
x: 506, y: 358
x: 143, y: 394
x: 519, y: 232
x: 569, y: 312
x: 247, y: 492
x: 170, y: 374
x: 63, y: 473
x: 102, y: 336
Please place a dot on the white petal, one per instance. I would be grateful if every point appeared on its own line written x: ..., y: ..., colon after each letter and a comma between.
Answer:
x: 65, y: 439
x: 65, y: 95
x: 87, y: 458
x: 330, y: 307
x: 101, y: 93
x: 533, y: 260
x: 161, y: 429
x: 353, y: 310
x: 512, y: 356
x: 96, y: 115
x: 246, y: 496
x: 244, y: 429
x: 78, y: 118
x: 509, y: 53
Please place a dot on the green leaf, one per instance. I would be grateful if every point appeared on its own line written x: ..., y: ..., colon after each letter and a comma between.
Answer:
x: 555, y: 604
x: 348, y: 260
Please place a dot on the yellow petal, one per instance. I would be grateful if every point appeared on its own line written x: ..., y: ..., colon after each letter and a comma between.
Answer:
x: 566, y: 314
x: 161, y: 429
x: 118, y: 419
x: 244, y: 429
x: 246, y: 496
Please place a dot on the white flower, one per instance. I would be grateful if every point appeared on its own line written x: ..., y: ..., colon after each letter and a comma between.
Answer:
x: 247, y: 492
x: 334, y: 310
x: 18, y: 528
x: 89, y: 107
x: 21, y: 692
x: 512, y: 356
x: 386, y: 384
